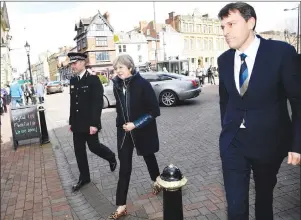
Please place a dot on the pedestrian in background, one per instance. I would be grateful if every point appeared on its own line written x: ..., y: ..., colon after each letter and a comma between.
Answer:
x: 137, y: 108
x: 40, y: 92
x: 16, y: 94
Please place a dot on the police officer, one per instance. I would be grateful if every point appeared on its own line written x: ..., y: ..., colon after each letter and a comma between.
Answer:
x: 86, y: 101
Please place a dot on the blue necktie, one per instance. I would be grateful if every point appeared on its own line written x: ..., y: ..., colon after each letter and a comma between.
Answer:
x: 243, y: 75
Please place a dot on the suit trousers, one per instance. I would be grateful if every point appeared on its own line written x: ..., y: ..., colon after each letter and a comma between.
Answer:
x: 236, y: 171
x: 125, y: 156
x: 79, y: 140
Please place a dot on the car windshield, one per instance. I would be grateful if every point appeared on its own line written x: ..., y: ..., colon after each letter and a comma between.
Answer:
x: 53, y: 83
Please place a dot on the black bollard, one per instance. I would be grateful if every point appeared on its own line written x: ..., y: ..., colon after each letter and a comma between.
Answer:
x: 172, y: 182
x: 44, y: 131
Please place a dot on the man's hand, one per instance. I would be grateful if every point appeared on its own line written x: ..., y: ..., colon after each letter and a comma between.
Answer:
x: 129, y: 126
x: 93, y: 130
x: 294, y: 158
x: 70, y: 129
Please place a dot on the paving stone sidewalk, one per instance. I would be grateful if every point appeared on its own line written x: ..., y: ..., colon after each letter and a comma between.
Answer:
x: 30, y: 185
x: 189, y: 139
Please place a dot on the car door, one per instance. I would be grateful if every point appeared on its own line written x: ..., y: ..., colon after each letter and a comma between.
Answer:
x: 108, y: 92
x: 154, y: 81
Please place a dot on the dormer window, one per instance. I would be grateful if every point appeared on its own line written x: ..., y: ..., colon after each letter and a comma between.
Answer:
x: 99, y: 27
x: 148, y: 32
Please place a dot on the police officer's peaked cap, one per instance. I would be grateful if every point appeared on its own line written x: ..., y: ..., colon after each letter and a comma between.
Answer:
x: 75, y: 56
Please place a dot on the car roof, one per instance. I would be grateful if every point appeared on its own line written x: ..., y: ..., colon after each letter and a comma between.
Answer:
x: 173, y: 75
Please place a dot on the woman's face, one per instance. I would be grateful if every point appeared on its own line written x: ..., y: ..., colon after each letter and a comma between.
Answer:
x: 122, y: 71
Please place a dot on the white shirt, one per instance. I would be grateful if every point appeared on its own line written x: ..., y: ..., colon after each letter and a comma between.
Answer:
x: 251, y: 53
x: 82, y: 73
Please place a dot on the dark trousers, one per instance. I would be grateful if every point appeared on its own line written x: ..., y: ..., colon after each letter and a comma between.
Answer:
x: 125, y: 156
x: 236, y: 172
x: 79, y: 140
x: 41, y: 100
x: 4, y: 104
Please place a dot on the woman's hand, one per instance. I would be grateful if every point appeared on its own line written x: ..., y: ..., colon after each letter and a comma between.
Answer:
x: 129, y: 126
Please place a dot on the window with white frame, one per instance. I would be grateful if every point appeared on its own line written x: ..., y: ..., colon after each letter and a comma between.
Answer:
x: 191, y: 44
x: 101, y: 41
x: 78, y: 45
x: 198, y: 43
x: 210, y: 29
x: 210, y: 44
x: 186, y: 44
x: 204, y: 29
x: 202, y: 44
x: 84, y: 42
x: 99, y: 27
x: 153, y: 44
x: 140, y: 58
x: 148, y: 32
x: 206, y: 44
x: 121, y: 48
x: 185, y: 27
x: 190, y: 28
x: 139, y: 47
x: 102, y: 56
x: 217, y: 44
x: 198, y: 28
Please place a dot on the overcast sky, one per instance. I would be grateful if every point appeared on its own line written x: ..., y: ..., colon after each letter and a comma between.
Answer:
x: 49, y: 25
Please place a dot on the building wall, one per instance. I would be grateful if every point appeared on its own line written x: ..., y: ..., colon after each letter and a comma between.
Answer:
x: 140, y: 56
x: 87, y: 44
x: 171, y: 42
x: 203, y: 39
x: 6, y: 68
x: 53, y: 69
x: 134, y: 44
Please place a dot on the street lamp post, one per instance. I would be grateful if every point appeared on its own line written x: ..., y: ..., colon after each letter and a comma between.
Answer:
x: 298, y: 26
x: 27, y: 48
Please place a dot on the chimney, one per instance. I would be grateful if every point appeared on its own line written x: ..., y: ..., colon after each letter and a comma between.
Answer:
x: 171, y: 14
x: 171, y: 19
x: 107, y: 16
x: 142, y: 25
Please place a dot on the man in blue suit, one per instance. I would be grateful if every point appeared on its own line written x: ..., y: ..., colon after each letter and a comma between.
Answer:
x: 257, y: 76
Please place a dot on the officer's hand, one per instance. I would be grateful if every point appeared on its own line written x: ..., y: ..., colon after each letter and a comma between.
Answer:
x: 129, y: 126
x: 293, y: 158
x: 93, y: 130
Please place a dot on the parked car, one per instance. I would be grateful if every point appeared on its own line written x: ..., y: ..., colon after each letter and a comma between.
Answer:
x: 169, y: 88
x: 54, y: 87
x: 66, y: 82
x: 108, y: 95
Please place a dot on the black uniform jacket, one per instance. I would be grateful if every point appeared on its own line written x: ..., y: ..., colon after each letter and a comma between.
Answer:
x: 86, y: 102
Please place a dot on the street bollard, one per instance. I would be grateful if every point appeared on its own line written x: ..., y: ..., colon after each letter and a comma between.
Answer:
x: 172, y: 182
x: 44, y: 131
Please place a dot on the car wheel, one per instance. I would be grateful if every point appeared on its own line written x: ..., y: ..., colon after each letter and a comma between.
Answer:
x: 168, y: 98
x: 105, y: 103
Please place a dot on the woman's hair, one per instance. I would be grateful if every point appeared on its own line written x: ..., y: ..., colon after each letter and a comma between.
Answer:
x: 126, y: 60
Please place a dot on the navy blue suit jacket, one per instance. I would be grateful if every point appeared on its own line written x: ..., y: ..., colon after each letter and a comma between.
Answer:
x: 274, y: 80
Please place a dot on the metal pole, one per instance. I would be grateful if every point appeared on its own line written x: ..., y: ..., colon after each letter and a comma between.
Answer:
x: 299, y: 26
x: 29, y: 68
x: 298, y: 31
x: 156, y: 53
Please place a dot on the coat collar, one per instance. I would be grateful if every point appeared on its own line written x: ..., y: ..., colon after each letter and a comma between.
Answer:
x: 118, y: 83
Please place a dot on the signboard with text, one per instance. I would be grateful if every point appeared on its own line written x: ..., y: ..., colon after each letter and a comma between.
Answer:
x: 25, y: 123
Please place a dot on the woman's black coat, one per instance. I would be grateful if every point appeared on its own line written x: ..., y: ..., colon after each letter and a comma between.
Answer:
x: 138, y: 101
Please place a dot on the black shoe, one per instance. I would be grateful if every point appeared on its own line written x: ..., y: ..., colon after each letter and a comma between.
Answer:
x: 79, y: 185
x: 113, y: 164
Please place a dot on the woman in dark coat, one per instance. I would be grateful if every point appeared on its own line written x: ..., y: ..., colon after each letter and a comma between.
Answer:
x: 137, y: 108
